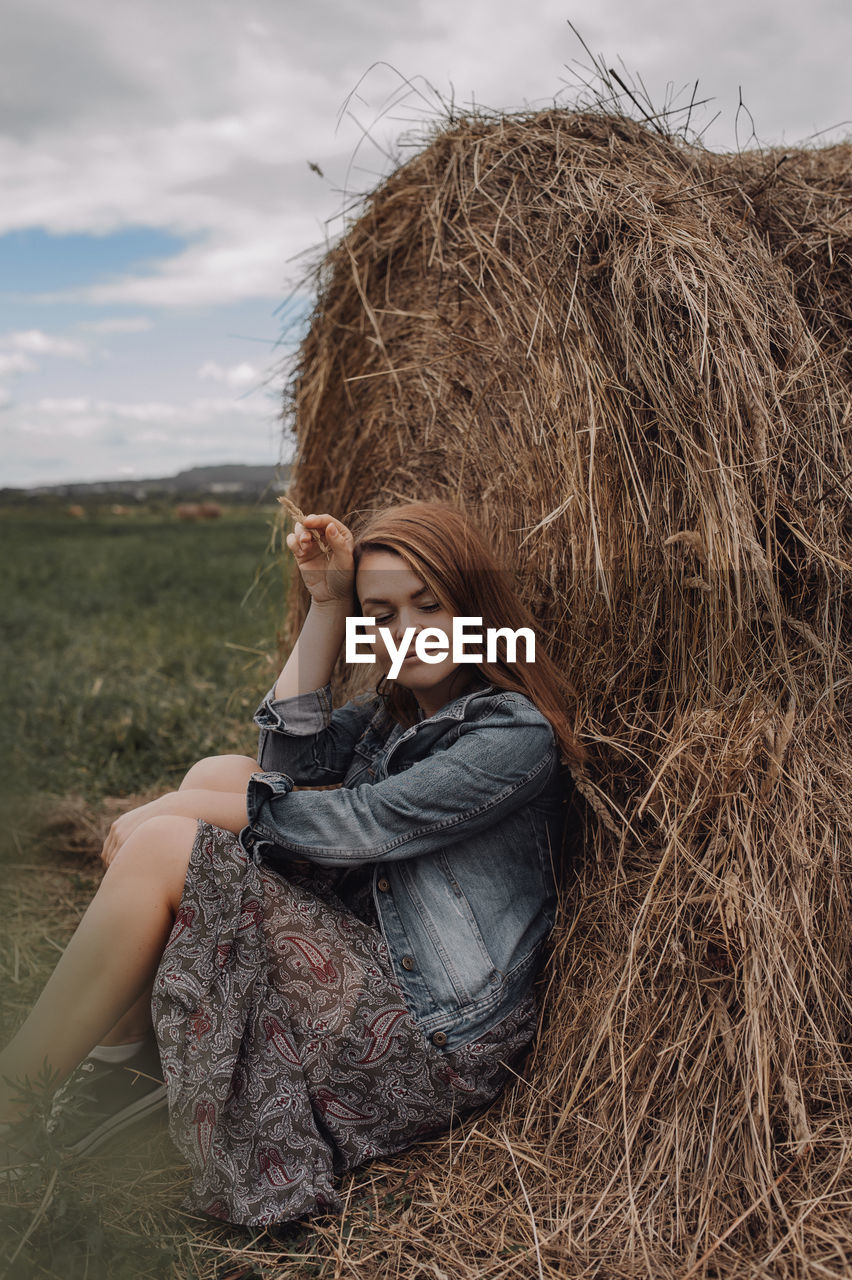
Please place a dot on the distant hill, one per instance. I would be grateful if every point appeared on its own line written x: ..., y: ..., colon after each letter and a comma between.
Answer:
x: 228, y: 480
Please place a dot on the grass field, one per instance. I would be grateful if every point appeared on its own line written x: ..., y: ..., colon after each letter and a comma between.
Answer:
x: 131, y: 647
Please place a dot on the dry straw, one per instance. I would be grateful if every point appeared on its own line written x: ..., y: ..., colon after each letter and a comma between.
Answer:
x: 630, y: 359
x: 296, y: 513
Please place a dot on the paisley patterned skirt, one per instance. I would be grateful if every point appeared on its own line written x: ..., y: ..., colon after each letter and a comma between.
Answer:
x: 289, y: 1053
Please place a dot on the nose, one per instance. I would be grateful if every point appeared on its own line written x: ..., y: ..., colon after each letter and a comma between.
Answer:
x: 404, y: 619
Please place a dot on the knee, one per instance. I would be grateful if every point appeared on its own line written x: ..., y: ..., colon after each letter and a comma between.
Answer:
x: 220, y: 773
x: 161, y: 842
x: 155, y: 859
x: 201, y: 772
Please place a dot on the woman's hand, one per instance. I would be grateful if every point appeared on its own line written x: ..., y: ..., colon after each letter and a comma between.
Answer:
x: 124, y: 826
x: 330, y: 578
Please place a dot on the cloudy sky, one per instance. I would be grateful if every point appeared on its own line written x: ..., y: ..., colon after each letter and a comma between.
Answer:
x: 166, y: 167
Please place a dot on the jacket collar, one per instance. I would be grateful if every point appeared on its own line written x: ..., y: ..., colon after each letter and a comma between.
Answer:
x: 455, y: 709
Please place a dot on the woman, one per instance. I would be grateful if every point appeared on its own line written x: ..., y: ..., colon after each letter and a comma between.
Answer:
x: 332, y: 973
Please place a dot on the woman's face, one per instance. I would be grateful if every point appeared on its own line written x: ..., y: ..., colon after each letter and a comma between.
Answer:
x: 392, y: 594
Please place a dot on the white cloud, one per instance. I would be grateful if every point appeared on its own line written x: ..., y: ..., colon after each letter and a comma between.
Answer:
x: 59, y: 438
x: 15, y: 362
x: 235, y: 375
x: 197, y: 410
x: 119, y: 324
x: 63, y: 404
x: 246, y: 260
x: 44, y: 344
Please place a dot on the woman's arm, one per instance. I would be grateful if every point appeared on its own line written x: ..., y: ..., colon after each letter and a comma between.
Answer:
x: 330, y: 579
x: 300, y: 734
x: 314, y: 654
x: 496, y: 765
x: 308, y: 739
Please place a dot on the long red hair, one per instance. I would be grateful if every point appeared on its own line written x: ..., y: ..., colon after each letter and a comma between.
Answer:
x: 447, y: 551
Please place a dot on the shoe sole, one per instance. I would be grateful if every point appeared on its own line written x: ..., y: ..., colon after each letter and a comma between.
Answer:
x: 154, y: 1101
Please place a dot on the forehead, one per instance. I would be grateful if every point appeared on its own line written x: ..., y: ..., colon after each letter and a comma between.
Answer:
x: 385, y: 575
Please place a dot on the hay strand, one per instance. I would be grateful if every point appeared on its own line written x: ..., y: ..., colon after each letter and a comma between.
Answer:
x: 298, y: 514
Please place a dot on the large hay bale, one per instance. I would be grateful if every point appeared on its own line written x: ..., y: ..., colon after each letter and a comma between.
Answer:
x: 630, y: 358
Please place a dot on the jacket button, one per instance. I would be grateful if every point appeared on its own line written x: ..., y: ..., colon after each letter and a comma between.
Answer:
x: 407, y: 962
x: 439, y: 1038
x: 383, y: 884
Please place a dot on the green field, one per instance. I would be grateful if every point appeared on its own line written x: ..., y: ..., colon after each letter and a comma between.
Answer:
x: 131, y: 646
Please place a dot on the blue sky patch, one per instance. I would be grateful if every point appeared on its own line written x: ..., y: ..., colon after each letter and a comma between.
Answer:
x: 36, y: 261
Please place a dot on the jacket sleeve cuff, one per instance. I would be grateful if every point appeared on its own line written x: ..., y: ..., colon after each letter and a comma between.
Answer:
x: 263, y: 787
x: 301, y: 715
x: 255, y: 837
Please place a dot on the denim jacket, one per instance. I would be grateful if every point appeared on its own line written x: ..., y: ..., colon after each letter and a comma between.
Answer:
x: 456, y: 819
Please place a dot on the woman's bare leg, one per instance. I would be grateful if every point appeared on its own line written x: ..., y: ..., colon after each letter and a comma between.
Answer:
x: 227, y: 773
x: 221, y: 773
x: 111, y: 959
x: 135, y: 1024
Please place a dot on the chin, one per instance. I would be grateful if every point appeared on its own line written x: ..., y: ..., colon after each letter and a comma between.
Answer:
x: 429, y: 688
x: 422, y: 677
x: 413, y: 680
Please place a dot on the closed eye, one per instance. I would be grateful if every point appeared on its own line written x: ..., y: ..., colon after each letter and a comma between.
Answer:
x: 424, y: 608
